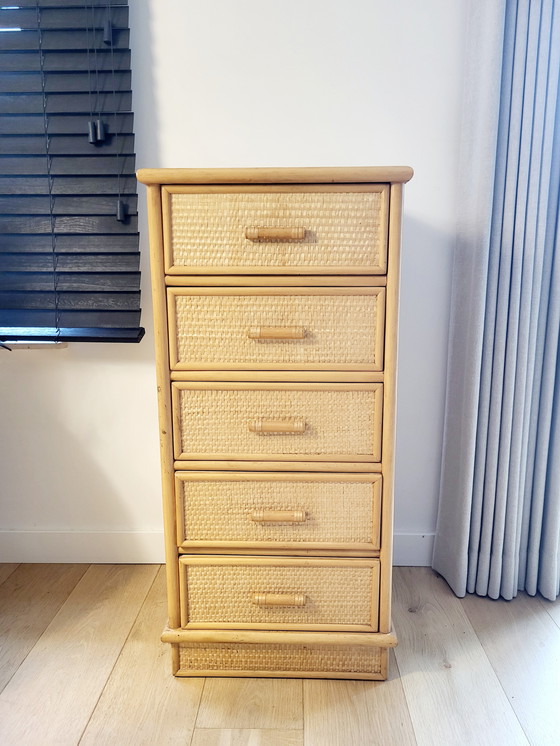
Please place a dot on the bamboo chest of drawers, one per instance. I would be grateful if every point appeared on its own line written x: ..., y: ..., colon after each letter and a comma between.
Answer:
x: 275, y: 305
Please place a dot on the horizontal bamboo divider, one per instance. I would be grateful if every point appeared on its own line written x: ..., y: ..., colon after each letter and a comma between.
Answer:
x: 279, y: 376
x: 243, y: 464
x: 279, y: 280
x: 264, y: 637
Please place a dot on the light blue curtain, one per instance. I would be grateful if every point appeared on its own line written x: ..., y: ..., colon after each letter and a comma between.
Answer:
x: 499, y: 517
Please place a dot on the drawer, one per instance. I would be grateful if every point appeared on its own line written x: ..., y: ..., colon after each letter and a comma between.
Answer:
x: 313, y: 229
x: 277, y: 421
x: 273, y: 513
x: 281, y: 594
x: 276, y: 328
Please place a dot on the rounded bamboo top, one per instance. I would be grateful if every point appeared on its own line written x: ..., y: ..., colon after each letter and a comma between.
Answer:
x: 362, y: 174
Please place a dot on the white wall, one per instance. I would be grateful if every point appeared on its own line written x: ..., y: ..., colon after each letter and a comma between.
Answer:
x: 248, y: 83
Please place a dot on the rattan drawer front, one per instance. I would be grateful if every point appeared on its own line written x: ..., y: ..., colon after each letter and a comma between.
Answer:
x: 308, y: 229
x: 272, y: 593
x: 276, y: 328
x: 295, y: 661
x: 277, y: 421
x: 240, y: 512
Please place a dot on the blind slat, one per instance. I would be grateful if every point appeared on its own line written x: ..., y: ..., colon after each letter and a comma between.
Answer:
x: 65, y: 224
x: 68, y: 262
x: 63, y: 18
x: 85, y: 244
x: 62, y: 165
x: 71, y: 334
x: 66, y: 145
x: 67, y: 185
x: 61, y: 61
x: 87, y: 281
x: 63, y: 40
x: 59, y: 103
x: 61, y: 124
x: 27, y: 82
x: 31, y: 317
x: 71, y: 301
x: 96, y: 205
x: 67, y: 3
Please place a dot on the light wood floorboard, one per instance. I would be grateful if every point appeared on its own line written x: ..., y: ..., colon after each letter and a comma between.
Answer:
x: 453, y: 693
x: 360, y: 713
x: 29, y: 598
x: 247, y: 737
x: 93, y: 672
x: 6, y: 569
x: 523, y: 646
x: 251, y: 704
x: 552, y: 608
x: 51, y: 696
x: 142, y: 703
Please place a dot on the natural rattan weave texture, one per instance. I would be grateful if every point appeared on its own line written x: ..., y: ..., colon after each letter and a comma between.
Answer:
x: 216, y: 421
x: 336, y: 512
x: 214, y: 329
x: 343, y: 229
x: 265, y: 657
x: 334, y: 595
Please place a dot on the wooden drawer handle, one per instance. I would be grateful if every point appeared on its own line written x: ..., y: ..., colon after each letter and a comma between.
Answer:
x: 276, y: 332
x: 291, y: 425
x: 279, y: 516
x: 279, y: 599
x: 274, y: 234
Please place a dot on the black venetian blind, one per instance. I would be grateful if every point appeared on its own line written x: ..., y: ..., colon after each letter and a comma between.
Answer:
x: 69, y: 261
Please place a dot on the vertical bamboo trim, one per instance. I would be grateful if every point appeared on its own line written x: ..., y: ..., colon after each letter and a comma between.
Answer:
x: 384, y: 663
x: 164, y: 404
x: 384, y: 226
x: 389, y: 406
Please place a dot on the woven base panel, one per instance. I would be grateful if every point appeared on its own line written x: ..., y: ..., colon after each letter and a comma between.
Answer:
x: 282, y: 661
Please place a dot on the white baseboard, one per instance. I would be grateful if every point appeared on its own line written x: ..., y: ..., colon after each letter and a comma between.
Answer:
x: 146, y: 547
x: 413, y: 550
x: 115, y: 547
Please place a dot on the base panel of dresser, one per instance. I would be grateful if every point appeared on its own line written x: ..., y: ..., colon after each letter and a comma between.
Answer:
x: 281, y: 660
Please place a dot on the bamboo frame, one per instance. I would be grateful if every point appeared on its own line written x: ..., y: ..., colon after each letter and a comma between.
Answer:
x: 191, y: 365
x: 274, y: 547
x: 180, y: 269
x: 375, y: 388
x: 230, y: 673
x: 390, y: 404
x: 275, y: 175
x: 282, y: 376
x: 274, y: 637
x: 276, y: 280
x: 244, y: 464
x: 243, y: 561
x: 282, y: 280
x: 164, y: 408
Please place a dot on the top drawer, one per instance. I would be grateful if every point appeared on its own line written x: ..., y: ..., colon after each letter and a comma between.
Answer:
x: 311, y: 229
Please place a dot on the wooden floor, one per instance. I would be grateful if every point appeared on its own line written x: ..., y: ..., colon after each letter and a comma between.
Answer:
x: 81, y: 663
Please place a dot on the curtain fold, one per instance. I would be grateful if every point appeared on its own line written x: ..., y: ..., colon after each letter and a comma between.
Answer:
x: 499, y: 518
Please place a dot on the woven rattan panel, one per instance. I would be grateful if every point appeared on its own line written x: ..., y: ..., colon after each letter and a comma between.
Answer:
x: 279, y: 658
x: 334, y: 595
x: 336, y: 512
x: 338, y: 329
x: 216, y: 421
x: 342, y: 229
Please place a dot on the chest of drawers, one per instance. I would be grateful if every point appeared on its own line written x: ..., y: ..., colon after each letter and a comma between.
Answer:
x: 275, y: 308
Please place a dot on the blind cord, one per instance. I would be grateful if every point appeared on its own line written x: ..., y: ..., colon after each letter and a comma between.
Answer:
x: 121, y: 209
x: 54, y: 254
